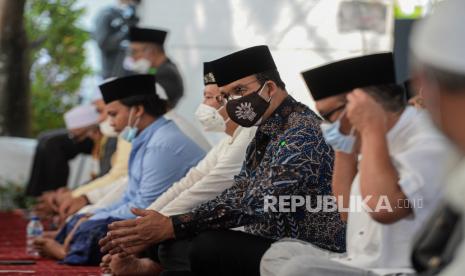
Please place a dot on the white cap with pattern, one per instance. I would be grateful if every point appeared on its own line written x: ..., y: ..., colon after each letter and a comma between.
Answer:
x: 81, y: 116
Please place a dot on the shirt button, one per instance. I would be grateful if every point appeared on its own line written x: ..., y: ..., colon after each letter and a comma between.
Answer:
x: 361, y: 233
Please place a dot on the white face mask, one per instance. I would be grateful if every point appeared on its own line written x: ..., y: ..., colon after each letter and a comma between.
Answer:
x: 141, y: 66
x: 210, y: 118
x: 107, y: 129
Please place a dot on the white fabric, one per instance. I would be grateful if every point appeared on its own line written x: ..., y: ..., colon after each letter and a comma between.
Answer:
x: 161, y: 92
x: 16, y: 156
x: 81, y: 116
x: 187, y: 128
x: 281, y: 252
x: 105, y: 196
x: 456, y: 187
x: 209, y: 178
x: 439, y: 39
x: 417, y: 151
x: 454, y: 195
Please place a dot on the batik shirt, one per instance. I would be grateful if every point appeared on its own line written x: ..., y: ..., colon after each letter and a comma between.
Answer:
x: 287, y: 157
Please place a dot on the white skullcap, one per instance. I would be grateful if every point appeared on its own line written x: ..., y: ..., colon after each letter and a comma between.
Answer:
x: 439, y: 39
x: 81, y: 116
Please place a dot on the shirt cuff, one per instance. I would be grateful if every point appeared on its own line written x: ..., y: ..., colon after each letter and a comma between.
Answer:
x: 183, y: 226
x: 93, y: 196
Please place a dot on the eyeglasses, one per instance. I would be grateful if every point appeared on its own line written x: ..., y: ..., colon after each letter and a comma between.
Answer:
x: 236, y: 92
x: 219, y: 99
x: 326, y: 116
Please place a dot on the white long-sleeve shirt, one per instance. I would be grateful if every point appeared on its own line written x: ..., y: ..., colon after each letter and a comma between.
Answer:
x: 209, y: 178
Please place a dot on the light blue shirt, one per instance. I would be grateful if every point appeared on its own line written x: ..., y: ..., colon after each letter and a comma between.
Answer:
x: 161, y: 155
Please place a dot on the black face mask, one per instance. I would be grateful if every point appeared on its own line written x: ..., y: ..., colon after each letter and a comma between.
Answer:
x: 248, y: 110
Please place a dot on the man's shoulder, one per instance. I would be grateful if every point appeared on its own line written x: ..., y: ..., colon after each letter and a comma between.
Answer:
x: 303, y: 133
x: 168, y: 67
x: 303, y: 122
x: 169, y: 130
x: 170, y: 136
x: 419, y: 132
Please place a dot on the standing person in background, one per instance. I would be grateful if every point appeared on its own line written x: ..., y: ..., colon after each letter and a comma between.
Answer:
x: 147, y: 55
x: 111, y: 29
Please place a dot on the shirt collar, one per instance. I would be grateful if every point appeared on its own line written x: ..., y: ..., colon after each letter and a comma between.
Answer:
x: 275, y: 123
x: 149, y: 130
x: 235, y: 134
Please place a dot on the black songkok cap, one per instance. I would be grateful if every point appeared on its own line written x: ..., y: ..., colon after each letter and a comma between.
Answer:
x: 345, y: 75
x: 147, y: 35
x: 121, y: 88
x: 208, y: 77
x: 241, y: 64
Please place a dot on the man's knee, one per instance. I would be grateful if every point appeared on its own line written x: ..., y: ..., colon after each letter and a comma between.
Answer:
x: 297, y: 266
x: 173, y: 255
x: 203, y: 247
x: 276, y: 256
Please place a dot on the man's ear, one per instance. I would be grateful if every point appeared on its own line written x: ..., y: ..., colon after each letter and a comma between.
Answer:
x: 138, y: 111
x: 272, y: 88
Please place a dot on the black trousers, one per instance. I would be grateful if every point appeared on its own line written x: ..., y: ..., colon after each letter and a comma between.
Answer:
x: 50, y: 167
x: 219, y: 253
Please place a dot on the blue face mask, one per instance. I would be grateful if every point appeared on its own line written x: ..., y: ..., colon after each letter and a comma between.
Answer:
x: 130, y: 132
x: 337, y: 140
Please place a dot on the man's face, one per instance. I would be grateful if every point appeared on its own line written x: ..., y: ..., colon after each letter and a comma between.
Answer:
x: 332, y: 108
x: 78, y: 134
x: 243, y: 87
x: 446, y: 109
x: 138, y: 50
x: 212, y: 96
x: 119, y: 115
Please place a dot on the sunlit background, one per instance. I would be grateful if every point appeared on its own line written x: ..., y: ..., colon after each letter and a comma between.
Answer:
x: 301, y: 34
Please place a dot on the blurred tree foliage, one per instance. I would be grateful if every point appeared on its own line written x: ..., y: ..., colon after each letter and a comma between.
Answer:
x: 58, y: 59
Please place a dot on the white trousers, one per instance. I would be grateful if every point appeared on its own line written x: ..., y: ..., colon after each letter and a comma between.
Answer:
x: 298, y: 258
